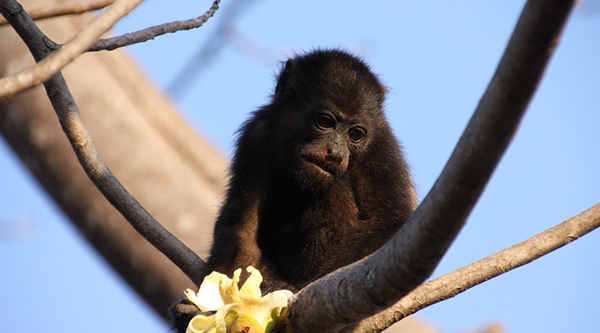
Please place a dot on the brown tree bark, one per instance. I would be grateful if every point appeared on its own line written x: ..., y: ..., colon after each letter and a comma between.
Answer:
x: 175, y: 173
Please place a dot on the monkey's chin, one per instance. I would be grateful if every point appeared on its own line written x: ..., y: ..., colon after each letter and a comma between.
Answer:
x: 313, y: 178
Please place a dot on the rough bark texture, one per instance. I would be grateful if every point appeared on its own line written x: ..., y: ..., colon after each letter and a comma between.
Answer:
x: 163, y: 162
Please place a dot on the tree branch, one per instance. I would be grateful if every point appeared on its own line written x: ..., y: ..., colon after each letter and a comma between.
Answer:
x: 97, y: 171
x: 50, y: 65
x: 155, y: 31
x: 469, y: 276
x: 380, y: 280
x: 64, y: 9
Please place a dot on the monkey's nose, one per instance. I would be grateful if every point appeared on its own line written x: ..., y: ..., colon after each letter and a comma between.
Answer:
x: 335, y: 155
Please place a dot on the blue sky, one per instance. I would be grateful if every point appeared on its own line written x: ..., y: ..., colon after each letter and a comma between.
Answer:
x: 436, y: 58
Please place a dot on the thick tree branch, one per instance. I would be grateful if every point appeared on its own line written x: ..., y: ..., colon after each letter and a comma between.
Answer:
x: 76, y: 7
x: 51, y: 64
x: 155, y: 31
x: 469, y: 276
x: 380, y: 280
x: 97, y: 171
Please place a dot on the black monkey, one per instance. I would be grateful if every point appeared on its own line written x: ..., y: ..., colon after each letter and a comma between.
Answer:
x: 318, y: 180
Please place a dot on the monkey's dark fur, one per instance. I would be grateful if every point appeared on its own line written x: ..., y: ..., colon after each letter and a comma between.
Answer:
x: 318, y: 180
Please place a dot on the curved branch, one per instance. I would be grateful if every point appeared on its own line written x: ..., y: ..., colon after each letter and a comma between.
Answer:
x: 78, y: 7
x: 88, y: 157
x: 49, y: 65
x: 155, y: 31
x: 469, y: 276
x: 371, y: 285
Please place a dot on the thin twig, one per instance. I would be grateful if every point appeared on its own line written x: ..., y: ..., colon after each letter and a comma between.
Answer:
x: 61, y: 9
x: 82, y: 144
x: 469, y: 276
x: 44, y: 69
x: 369, y: 286
x: 155, y: 31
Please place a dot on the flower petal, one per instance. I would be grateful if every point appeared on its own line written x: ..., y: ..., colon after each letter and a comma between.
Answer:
x: 252, y: 285
x: 208, y: 297
x: 228, y: 288
x: 262, y: 308
x: 202, y: 324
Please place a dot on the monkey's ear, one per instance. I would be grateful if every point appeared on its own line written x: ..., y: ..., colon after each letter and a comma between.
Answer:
x: 284, y: 78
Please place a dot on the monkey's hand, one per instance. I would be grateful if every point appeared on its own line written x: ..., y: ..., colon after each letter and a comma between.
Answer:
x: 181, y: 314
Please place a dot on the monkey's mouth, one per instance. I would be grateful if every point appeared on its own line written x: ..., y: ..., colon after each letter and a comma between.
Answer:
x: 323, y: 167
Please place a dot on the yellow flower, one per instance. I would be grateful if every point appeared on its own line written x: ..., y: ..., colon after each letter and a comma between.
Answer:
x: 237, y: 310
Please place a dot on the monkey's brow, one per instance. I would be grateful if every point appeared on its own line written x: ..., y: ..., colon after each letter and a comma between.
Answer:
x: 343, y: 118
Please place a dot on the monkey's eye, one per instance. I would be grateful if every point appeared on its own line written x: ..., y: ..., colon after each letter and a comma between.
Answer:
x: 356, y: 134
x: 324, y: 122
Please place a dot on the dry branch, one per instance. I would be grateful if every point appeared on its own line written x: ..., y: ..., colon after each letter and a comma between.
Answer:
x: 164, y: 162
x: 70, y: 120
x: 371, y: 285
x: 70, y: 8
x: 155, y: 31
x: 469, y: 276
x: 51, y: 64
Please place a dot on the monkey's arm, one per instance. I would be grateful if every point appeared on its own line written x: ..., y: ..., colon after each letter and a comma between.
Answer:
x: 235, y: 235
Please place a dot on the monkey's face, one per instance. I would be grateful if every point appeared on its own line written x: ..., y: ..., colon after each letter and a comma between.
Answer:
x: 329, y: 143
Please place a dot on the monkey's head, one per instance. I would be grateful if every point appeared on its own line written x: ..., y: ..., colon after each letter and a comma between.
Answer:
x: 329, y: 106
